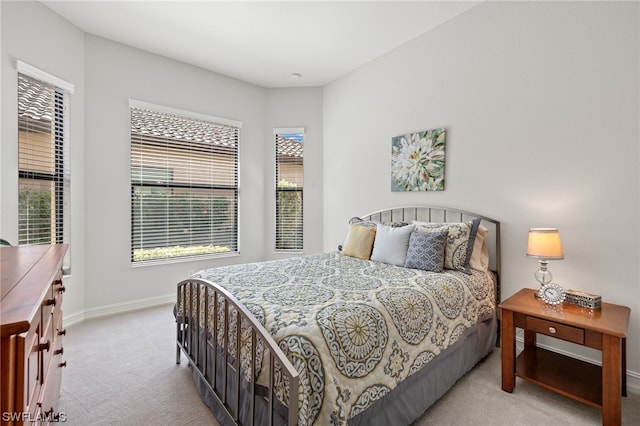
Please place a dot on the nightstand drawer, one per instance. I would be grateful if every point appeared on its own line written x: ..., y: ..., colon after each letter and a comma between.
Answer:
x: 554, y: 329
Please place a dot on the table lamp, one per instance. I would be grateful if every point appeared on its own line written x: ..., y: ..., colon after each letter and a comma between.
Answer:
x: 544, y: 244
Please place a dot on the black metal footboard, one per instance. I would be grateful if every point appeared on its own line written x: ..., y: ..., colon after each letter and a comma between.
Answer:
x: 234, y: 356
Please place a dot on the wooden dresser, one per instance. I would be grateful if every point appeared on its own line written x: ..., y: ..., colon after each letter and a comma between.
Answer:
x: 31, y: 324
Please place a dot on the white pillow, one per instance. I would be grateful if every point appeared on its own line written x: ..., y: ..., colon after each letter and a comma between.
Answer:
x: 391, y: 244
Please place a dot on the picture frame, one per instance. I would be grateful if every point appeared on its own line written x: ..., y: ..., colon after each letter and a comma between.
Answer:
x: 418, y: 161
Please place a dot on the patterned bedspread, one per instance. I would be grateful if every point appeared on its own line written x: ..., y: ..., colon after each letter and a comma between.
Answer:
x: 355, y: 328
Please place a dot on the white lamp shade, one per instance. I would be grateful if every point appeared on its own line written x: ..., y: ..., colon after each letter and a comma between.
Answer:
x: 544, y: 243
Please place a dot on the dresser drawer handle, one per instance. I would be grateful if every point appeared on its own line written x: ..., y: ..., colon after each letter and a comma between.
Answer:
x: 63, y: 364
x: 58, y: 351
x: 62, y: 289
x: 49, y: 302
x: 62, y: 332
x: 552, y: 330
x: 44, y: 346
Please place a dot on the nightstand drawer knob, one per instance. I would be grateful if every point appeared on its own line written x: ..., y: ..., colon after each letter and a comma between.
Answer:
x: 552, y: 330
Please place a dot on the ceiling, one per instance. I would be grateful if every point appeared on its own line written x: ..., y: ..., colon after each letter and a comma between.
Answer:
x: 263, y: 42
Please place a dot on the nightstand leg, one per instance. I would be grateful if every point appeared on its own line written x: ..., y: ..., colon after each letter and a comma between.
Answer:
x: 508, y: 347
x: 611, y: 380
x: 529, y: 339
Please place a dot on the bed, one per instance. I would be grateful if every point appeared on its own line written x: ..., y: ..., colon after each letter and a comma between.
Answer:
x: 372, y: 333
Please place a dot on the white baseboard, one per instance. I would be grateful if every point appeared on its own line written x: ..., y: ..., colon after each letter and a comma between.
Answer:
x: 117, y: 308
x: 633, y: 382
x: 633, y: 377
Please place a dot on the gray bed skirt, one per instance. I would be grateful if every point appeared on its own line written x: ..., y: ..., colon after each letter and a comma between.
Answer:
x: 411, y: 398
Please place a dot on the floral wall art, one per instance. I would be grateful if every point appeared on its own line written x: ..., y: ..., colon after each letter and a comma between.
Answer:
x: 417, y: 161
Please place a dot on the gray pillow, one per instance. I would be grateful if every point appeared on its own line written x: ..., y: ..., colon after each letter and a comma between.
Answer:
x: 426, y: 250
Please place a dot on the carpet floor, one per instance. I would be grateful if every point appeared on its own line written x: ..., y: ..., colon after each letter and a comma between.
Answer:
x: 121, y: 370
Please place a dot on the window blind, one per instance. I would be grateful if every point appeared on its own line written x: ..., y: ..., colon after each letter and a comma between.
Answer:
x: 184, y: 185
x: 289, y: 189
x: 43, y: 162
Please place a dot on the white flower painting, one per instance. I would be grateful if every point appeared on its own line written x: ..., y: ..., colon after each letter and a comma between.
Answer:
x: 417, y: 161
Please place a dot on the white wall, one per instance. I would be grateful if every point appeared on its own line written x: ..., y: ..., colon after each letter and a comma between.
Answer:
x: 33, y: 34
x: 107, y: 75
x: 299, y: 107
x: 114, y: 74
x: 541, y: 104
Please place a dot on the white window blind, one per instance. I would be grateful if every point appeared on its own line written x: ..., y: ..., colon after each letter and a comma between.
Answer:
x: 43, y: 161
x: 289, y: 188
x: 184, y: 184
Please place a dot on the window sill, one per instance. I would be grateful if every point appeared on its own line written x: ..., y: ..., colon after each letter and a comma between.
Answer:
x: 171, y: 260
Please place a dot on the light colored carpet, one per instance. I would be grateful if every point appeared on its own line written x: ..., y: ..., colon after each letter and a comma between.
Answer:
x: 121, y: 370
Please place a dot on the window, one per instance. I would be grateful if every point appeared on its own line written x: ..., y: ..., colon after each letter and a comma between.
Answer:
x: 184, y: 183
x: 289, y: 188
x: 43, y: 158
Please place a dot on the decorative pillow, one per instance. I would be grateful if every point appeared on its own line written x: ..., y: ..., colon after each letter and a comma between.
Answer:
x: 426, y: 250
x: 391, y: 244
x: 373, y: 224
x: 460, y: 240
x: 357, y: 221
x: 480, y: 255
x: 359, y: 241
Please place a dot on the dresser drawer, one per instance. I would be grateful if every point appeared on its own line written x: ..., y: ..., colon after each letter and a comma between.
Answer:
x: 31, y: 368
x: 46, y: 345
x: 49, y: 303
x: 50, y: 392
x: 554, y: 329
x: 58, y: 292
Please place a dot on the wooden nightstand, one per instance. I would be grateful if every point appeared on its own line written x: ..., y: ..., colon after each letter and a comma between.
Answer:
x: 603, y: 329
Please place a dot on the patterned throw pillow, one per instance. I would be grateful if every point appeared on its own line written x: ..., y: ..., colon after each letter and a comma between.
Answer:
x: 358, y: 221
x: 460, y: 241
x: 426, y: 250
